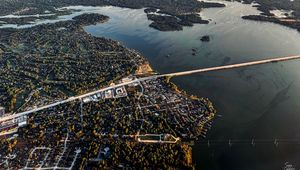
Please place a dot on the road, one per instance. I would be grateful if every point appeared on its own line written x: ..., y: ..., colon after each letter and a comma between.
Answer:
x: 232, y: 66
x: 226, y: 67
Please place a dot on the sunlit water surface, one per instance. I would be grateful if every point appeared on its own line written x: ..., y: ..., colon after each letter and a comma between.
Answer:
x: 260, y: 102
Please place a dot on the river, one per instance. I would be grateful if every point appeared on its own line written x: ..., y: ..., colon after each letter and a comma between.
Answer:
x: 260, y: 102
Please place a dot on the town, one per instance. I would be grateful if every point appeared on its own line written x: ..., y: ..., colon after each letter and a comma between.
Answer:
x: 150, y: 111
x: 60, y: 61
x: 135, y: 109
x: 72, y: 100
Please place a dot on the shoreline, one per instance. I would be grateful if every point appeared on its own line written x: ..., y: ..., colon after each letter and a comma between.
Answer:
x: 290, y: 23
x: 75, y: 28
x: 174, y: 87
x: 166, y: 18
x: 163, y: 17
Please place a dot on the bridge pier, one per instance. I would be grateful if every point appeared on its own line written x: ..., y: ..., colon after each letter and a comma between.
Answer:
x: 253, y: 143
x: 276, y: 142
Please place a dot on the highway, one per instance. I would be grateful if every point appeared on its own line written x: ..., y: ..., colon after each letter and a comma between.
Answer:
x: 218, y: 68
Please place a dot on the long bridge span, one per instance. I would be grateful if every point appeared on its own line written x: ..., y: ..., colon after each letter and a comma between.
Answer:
x: 232, y: 66
x: 202, y: 70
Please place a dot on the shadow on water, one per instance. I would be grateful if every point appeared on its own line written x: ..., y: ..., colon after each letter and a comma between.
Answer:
x: 279, y: 98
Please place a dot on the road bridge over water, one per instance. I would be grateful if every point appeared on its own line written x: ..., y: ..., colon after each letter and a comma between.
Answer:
x: 202, y: 70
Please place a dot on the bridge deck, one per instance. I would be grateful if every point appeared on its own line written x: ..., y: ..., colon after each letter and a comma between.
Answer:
x: 232, y: 66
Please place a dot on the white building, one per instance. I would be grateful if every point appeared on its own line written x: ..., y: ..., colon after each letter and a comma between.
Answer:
x: 108, y: 94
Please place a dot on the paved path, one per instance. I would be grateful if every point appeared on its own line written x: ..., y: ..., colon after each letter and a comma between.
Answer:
x: 226, y: 67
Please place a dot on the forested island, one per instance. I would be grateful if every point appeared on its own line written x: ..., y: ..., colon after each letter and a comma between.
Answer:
x: 179, y: 13
x: 266, y: 6
x: 167, y: 15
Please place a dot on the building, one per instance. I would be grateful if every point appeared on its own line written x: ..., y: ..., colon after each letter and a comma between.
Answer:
x: 127, y: 79
x: 2, y: 111
x: 120, y: 92
x: 108, y: 94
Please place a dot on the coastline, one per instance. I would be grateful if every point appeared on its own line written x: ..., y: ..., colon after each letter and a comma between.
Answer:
x: 223, y: 129
x: 145, y: 68
x: 212, y: 111
x: 139, y: 62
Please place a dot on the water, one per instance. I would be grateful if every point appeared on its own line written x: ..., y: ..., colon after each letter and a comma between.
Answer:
x: 45, y: 21
x: 260, y: 102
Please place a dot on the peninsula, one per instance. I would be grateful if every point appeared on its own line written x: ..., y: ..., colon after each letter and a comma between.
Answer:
x: 117, y: 127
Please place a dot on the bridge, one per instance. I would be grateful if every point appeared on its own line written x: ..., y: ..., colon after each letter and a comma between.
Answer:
x: 19, y: 116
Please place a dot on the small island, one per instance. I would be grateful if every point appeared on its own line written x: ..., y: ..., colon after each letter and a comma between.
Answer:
x: 174, y: 23
x: 205, y: 38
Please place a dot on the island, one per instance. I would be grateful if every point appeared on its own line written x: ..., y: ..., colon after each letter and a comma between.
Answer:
x: 205, y: 38
x: 177, y: 10
x: 166, y: 15
x: 291, y: 17
x: 172, y: 23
